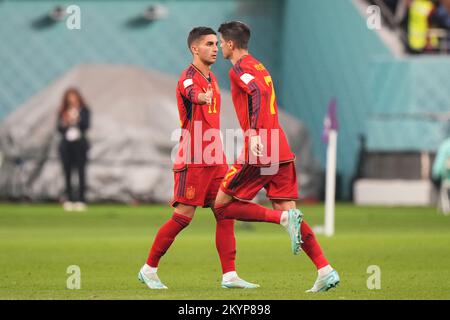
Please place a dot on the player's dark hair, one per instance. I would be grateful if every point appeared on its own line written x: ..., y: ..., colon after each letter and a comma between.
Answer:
x: 236, y: 31
x: 197, y: 33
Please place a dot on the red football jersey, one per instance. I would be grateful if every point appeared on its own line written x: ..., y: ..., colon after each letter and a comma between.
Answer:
x: 256, y: 107
x: 199, y: 146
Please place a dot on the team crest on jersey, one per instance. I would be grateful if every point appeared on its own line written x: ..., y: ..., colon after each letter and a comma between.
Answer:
x: 190, y: 193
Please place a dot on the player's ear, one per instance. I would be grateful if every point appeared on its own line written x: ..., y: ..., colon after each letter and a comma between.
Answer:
x: 194, y: 50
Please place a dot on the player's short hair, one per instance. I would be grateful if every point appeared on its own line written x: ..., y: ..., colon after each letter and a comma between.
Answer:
x: 197, y: 33
x: 236, y: 31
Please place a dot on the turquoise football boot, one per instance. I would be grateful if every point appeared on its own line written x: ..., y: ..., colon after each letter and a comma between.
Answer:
x: 325, y: 283
x: 238, y: 283
x: 295, y: 218
x: 152, y: 282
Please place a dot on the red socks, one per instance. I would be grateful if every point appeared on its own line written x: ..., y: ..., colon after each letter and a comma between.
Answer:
x: 312, y: 247
x: 225, y: 241
x: 226, y: 244
x: 247, y: 211
x: 165, y: 236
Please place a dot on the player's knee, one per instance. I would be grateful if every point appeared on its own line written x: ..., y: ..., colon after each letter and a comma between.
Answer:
x: 276, y: 206
x: 218, y: 214
x: 186, y: 214
x: 187, y: 211
x: 222, y: 199
x: 219, y: 210
x: 283, y: 205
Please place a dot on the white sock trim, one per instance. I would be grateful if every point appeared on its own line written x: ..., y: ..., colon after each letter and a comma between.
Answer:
x: 325, y: 270
x: 147, y: 269
x: 284, y: 219
x: 229, y: 276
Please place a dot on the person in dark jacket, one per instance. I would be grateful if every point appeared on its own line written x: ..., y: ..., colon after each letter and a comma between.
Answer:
x: 73, y: 122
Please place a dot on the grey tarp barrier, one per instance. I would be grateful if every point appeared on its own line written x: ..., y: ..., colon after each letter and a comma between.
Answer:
x: 134, y: 115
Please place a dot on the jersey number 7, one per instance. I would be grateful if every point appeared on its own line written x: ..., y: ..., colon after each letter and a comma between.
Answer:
x: 269, y: 82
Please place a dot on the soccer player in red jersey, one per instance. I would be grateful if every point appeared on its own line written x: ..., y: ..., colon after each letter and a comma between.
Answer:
x: 267, y: 160
x: 199, y: 168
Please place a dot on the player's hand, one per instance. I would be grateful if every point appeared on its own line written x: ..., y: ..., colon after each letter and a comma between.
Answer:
x: 256, y: 146
x: 206, y: 98
x: 209, y: 94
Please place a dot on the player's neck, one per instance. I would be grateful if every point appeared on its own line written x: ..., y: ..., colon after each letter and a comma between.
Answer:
x: 238, y: 55
x: 204, y: 68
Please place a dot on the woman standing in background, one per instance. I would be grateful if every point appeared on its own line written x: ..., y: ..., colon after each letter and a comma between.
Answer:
x: 73, y: 122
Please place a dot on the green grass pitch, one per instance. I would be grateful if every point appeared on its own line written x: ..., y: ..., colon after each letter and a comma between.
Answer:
x: 110, y: 243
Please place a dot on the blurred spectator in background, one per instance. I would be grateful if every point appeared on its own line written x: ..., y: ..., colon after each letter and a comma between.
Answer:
x: 73, y: 122
x: 442, y: 16
x: 442, y: 20
x: 441, y: 174
x: 419, y: 22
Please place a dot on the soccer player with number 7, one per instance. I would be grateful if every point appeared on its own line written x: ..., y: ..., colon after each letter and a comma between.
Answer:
x: 267, y: 160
